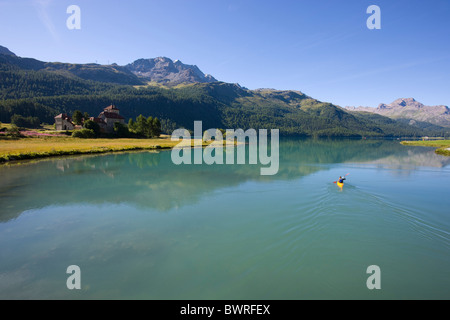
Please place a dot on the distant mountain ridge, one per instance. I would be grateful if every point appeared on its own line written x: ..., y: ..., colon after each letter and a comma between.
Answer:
x: 412, y: 110
x: 102, y: 73
x: 5, y: 51
x: 140, y: 72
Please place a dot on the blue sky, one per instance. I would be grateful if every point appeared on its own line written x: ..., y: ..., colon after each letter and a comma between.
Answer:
x: 320, y: 47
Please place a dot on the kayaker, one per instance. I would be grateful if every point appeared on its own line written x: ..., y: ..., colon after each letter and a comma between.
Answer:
x: 341, y: 179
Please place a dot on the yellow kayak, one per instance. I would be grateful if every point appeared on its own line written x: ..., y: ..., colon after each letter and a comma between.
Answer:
x: 340, y: 185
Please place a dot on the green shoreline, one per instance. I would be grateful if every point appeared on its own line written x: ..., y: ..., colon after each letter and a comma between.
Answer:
x: 443, y: 146
x: 23, y: 149
x: 57, y: 153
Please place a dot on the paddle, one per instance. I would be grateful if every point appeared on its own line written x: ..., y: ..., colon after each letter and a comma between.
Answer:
x: 344, y: 177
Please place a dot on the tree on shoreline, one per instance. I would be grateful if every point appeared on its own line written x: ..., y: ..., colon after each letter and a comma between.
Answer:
x: 77, y: 117
x: 145, y: 127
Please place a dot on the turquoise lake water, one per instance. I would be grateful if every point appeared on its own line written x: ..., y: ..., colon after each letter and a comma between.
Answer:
x: 140, y: 227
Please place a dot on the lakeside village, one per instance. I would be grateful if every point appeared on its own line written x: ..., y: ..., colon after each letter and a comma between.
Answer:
x: 105, y: 120
x: 108, y: 123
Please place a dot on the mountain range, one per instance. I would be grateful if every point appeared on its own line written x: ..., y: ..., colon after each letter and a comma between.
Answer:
x: 411, y: 110
x: 179, y: 94
x: 161, y: 70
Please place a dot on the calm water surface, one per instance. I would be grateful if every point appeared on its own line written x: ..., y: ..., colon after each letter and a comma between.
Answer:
x: 141, y: 227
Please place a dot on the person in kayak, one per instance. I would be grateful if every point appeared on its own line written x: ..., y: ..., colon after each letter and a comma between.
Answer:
x: 341, y: 179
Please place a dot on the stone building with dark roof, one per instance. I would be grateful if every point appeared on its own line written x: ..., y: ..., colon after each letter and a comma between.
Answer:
x: 63, y: 122
x: 110, y: 116
x: 101, y: 123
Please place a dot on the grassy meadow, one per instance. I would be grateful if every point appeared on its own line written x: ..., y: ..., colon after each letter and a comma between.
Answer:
x: 442, y: 145
x: 41, y: 147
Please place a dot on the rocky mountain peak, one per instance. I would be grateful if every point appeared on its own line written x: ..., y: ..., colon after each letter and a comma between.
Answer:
x: 164, y: 70
x: 406, y: 102
x: 409, y: 108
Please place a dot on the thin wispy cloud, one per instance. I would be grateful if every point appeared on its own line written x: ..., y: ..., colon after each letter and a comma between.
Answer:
x: 382, y: 70
x: 327, y: 41
x: 233, y: 7
x: 42, y: 11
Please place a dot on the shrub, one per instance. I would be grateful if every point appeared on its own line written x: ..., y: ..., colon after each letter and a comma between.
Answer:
x: 25, y: 122
x: 121, y: 130
x: 84, y: 134
x: 92, y: 125
x: 13, y: 131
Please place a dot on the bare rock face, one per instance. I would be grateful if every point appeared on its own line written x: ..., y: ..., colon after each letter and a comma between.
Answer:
x: 409, y: 108
x: 164, y: 70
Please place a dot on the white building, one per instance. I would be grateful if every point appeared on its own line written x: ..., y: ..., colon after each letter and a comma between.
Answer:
x: 63, y: 122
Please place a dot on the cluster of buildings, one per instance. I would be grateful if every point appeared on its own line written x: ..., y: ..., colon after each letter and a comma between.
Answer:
x: 105, y: 120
